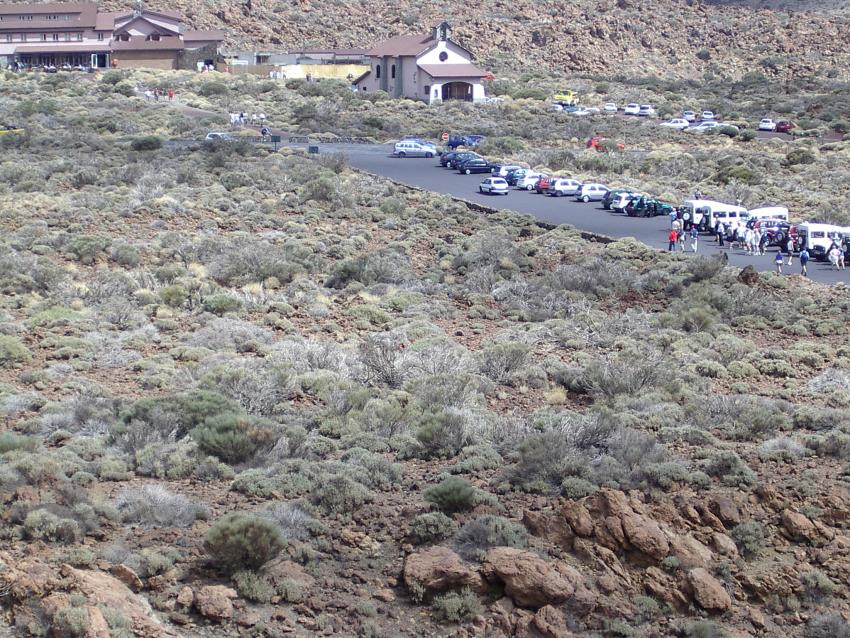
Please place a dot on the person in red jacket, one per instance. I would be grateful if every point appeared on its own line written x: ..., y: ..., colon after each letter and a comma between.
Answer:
x: 673, y: 238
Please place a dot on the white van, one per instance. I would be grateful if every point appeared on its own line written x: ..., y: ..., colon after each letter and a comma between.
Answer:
x: 704, y: 213
x: 409, y: 148
x: 818, y: 238
x: 769, y: 212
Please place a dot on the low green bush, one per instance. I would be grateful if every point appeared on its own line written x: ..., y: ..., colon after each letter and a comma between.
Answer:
x: 146, y: 143
x: 433, y: 527
x: 478, y: 535
x: 457, y: 607
x: 234, y: 438
x: 13, y: 352
x: 242, y: 541
x: 452, y: 494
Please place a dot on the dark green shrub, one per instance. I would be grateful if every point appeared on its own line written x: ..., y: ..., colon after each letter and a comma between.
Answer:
x: 433, y: 527
x: 9, y: 441
x: 817, y: 587
x: 339, y: 494
x: 827, y: 626
x: 13, y: 352
x: 452, y: 494
x: 221, y: 304
x: 254, y: 587
x: 747, y: 135
x: 728, y: 131
x: 242, y: 541
x: 87, y: 248
x: 233, y: 438
x: 799, y: 156
x: 209, y: 89
x: 188, y: 409
x: 477, y: 536
x: 456, y: 607
x: 146, y: 143
x: 441, y: 434
x: 749, y: 537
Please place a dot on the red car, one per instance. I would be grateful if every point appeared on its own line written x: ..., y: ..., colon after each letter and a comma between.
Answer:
x: 543, y: 184
x: 784, y: 126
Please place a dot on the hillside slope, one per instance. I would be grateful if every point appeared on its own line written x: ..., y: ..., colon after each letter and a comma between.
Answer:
x: 612, y: 36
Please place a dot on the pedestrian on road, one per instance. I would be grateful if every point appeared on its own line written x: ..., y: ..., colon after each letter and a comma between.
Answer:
x: 672, y: 237
x: 673, y: 217
x: 789, y: 248
x: 777, y: 260
x: 170, y: 94
x: 721, y: 233
x: 148, y: 95
x: 833, y: 256
x: 680, y: 237
x: 763, y: 243
x: 694, y: 238
x: 842, y: 254
x: 804, y: 262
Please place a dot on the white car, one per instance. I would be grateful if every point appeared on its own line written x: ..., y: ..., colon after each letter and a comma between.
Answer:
x: 632, y: 108
x: 689, y: 116
x: 646, y: 110
x: 591, y: 192
x: 504, y: 169
x: 563, y: 186
x: 676, y: 123
x: 581, y: 111
x: 707, y: 115
x: 621, y: 200
x: 493, y: 185
x: 767, y: 125
x: 218, y: 135
x: 702, y: 127
x: 411, y: 148
x: 557, y: 107
x: 609, y: 107
x: 528, y: 181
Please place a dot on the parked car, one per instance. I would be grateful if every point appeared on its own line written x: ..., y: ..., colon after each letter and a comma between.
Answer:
x: 463, y: 140
x: 413, y: 138
x: 494, y: 185
x: 646, y: 110
x: 676, y: 123
x: 819, y: 238
x: 609, y: 197
x: 218, y: 135
x: 514, y: 175
x: 621, y: 201
x: 505, y: 169
x: 591, y: 193
x: 8, y: 129
x: 563, y: 186
x: 476, y: 165
x: 458, y: 158
x: 528, y: 181
x: 543, y: 184
x: 777, y: 230
x: 767, y: 125
x: 647, y: 207
x: 609, y: 107
x: 785, y: 126
x: 702, y: 127
x: 707, y: 115
x: 632, y: 108
x: 689, y: 116
x: 410, y: 148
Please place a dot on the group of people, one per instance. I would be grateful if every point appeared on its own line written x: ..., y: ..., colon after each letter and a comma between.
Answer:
x: 154, y: 95
x: 678, y: 236
x: 242, y: 118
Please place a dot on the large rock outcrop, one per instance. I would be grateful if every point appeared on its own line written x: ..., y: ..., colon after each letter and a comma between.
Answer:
x: 529, y: 580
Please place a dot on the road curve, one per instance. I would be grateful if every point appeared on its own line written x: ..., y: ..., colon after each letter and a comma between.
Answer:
x: 427, y: 174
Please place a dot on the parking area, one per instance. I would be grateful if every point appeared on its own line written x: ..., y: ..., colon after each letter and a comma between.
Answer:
x: 426, y: 173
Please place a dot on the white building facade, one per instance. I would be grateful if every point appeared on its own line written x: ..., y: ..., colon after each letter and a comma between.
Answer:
x: 430, y: 68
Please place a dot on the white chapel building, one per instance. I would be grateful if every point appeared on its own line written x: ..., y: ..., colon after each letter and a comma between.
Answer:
x: 433, y: 68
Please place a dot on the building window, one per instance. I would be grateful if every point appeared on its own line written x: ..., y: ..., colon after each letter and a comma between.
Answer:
x: 56, y: 37
x: 79, y: 37
x: 100, y: 36
x: 8, y: 37
x: 392, y: 71
x: 23, y: 37
x: 263, y: 59
x: 426, y: 89
x: 443, y: 56
x: 44, y: 37
x: 67, y: 37
x: 378, y: 72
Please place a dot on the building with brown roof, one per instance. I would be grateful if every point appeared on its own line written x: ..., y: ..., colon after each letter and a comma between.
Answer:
x: 76, y: 33
x: 432, y: 68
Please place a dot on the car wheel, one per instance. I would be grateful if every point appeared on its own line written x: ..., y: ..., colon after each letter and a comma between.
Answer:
x: 429, y: 155
x: 529, y: 187
x: 468, y: 172
x: 585, y: 199
x: 402, y: 154
x: 480, y: 190
x: 779, y: 238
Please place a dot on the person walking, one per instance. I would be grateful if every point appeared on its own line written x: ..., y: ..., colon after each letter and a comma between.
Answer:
x: 833, y: 256
x: 842, y: 254
x: 672, y: 238
x: 680, y: 237
x: 804, y: 262
x: 694, y: 238
x: 719, y: 231
x: 170, y: 94
x: 789, y: 248
x: 763, y: 240
x: 777, y: 261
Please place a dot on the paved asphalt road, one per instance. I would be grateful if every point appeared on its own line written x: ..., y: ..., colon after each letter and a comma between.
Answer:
x: 427, y: 173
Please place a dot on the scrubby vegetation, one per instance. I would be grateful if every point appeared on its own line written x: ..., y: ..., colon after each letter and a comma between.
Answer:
x: 220, y: 364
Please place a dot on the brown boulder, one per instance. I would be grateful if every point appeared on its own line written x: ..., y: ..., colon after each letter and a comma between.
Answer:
x: 748, y: 275
x: 283, y: 571
x: 439, y: 568
x: 578, y: 518
x: 548, y: 622
x: 690, y: 552
x: 529, y: 580
x: 550, y: 526
x: 726, y: 510
x: 127, y: 576
x: 707, y: 590
x: 798, y: 526
x: 645, y: 535
x: 215, y: 602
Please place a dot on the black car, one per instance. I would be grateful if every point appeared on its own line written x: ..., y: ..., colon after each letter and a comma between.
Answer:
x: 610, y: 196
x: 514, y: 175
x: 459, y: 158
x: 475, y: 165
x: 463, y: 140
